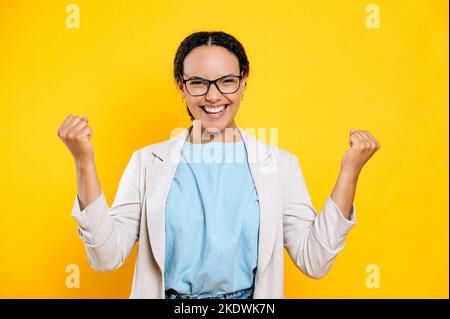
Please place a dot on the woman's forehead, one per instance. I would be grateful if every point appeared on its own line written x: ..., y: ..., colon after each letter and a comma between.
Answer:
x: 210, y: 62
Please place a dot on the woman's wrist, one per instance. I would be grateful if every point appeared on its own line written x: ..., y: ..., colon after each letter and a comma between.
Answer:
x: 349, y: 174
x: 83, y: 164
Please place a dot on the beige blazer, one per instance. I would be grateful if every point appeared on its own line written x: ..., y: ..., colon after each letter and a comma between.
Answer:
x: 287, y: 219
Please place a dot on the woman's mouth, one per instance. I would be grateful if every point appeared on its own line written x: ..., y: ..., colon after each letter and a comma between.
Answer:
x: 214, y: 112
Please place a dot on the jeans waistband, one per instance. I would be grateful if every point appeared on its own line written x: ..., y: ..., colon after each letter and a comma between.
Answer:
x: 239, y: 294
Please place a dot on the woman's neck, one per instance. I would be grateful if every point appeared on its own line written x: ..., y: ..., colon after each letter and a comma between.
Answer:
x: 200, y: 135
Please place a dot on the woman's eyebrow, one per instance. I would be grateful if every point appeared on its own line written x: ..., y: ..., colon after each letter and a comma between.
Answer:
x: 195, y: 78
x: 200, y: 78
x: 230, y: 74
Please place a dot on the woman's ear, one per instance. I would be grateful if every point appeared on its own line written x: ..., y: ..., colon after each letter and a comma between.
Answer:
x: 244, y: 80
x: 180, y: 88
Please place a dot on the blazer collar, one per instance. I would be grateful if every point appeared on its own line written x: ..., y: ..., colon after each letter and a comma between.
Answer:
x: 258, y: 152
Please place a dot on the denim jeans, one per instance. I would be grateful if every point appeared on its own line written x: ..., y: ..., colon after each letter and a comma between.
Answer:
x: 240, y: 294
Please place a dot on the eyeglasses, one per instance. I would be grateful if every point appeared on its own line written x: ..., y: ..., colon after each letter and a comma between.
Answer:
x: 197, y: 86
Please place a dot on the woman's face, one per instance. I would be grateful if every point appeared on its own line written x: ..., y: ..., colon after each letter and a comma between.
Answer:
x: 212, y: 62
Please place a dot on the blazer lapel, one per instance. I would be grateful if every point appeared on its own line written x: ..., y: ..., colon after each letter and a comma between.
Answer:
x: 263, y: 167
x: 158, y: 181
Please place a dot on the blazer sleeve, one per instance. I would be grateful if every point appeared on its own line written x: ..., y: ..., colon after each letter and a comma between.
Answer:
x: 312, y: 240
x: 109, y: 233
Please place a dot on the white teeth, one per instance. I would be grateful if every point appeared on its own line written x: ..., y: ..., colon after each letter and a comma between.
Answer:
x: 214, y: 109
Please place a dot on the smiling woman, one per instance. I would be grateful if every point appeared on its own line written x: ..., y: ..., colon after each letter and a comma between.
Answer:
x: 211, y: 70
x: 212, y: 229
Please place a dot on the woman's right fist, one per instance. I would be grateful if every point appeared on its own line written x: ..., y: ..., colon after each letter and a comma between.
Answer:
x: 76, y: 135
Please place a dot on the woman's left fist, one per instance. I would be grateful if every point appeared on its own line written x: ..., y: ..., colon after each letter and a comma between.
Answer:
x: 362, y: 147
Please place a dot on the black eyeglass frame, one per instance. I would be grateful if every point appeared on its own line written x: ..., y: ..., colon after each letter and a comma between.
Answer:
x: 212, y: 82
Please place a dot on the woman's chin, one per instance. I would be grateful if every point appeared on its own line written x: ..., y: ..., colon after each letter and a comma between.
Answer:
x: 214, y: 126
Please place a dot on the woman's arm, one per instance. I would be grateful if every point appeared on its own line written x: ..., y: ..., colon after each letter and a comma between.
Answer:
x: 109, y: 233
x: 76, y: 134
x: 344, y: 192
x: 314, y: 240
x: 362, y: 147
x: 88, y: 184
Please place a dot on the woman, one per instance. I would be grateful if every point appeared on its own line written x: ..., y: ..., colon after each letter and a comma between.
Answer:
x: 209, y: 227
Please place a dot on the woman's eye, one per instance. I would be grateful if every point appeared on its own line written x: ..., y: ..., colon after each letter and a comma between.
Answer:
x: 196, y: 82
x: 228, y: 81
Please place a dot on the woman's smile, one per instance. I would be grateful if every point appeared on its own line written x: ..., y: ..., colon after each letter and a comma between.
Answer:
x: 214, y: 112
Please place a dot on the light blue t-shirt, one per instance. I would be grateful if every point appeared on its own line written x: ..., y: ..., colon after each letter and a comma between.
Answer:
x: 211, y: 221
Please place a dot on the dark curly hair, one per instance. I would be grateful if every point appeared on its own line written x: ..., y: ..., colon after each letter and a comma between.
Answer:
x: 217, y: 38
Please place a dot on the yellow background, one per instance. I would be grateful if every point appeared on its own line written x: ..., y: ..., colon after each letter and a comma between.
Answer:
x: 316, y: 71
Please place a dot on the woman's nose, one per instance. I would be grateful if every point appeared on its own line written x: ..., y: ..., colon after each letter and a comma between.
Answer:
x: 213, y: 93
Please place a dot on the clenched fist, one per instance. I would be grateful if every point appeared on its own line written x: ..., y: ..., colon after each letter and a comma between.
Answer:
x: 362, y: 147
x: 76, y: 135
